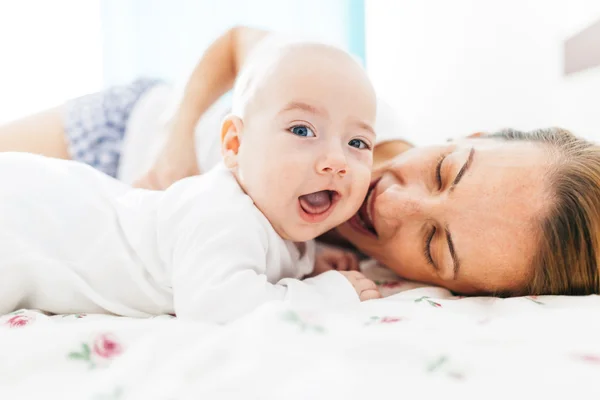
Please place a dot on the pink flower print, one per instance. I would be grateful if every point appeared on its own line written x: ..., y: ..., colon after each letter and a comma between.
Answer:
x: 383, y: 320
x: 99, y: 352
x: 390, y: 320
x: 591, y: 358
x: 17, y: 321
x: 392, y: 284
x: 459, y: 376
x: 106, y: 346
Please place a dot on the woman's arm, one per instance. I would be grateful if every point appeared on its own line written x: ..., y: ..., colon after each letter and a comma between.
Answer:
x: 214, y: 75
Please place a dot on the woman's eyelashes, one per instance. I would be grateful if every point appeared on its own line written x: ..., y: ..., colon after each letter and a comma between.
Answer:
x: 302, y: 130
x: 427, y: 247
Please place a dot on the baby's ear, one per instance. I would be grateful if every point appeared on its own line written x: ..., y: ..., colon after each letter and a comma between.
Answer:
x: 231, y: 132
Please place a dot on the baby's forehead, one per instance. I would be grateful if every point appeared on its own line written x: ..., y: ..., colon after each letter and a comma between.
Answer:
x: 282, y: 68
x: 302, y: 65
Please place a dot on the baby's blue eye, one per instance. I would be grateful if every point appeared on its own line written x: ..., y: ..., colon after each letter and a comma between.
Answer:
x: 302, y: 130
x: 359, y: 144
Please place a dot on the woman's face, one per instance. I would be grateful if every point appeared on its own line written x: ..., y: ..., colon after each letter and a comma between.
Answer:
x: 464, y: 215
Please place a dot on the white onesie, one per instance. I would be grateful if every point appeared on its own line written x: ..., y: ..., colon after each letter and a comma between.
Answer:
x: 75, y: 240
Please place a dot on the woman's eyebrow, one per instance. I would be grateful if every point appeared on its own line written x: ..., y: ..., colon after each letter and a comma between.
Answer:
x: 461, y: 173
x: 463, y: 169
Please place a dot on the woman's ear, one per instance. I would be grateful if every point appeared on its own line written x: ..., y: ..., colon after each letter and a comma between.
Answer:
x: 231, y: 133
x: 471, y: 136
x: 476, y: 135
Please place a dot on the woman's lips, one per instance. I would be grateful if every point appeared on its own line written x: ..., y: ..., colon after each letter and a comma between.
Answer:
x: 363, y: 221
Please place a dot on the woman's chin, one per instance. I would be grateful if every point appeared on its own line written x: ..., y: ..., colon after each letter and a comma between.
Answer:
x: 356, y: 239
x: 345, y: 232
x: 359, y: 238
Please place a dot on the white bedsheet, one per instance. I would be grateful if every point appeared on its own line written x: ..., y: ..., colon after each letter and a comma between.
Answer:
x: 419, y: 343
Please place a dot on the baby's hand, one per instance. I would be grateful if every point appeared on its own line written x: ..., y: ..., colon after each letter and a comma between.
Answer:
x: 365, y: 288
x: 331, y: 258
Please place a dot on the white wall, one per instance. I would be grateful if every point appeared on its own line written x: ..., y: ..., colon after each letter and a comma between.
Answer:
x: 50, y: 51
x: 165, y: 39
x: 451, y: 68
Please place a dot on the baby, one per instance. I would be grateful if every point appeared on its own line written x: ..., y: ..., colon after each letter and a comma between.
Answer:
x: 297, y: 160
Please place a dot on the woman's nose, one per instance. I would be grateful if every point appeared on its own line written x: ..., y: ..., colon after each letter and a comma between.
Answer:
x: 332, y: 162
x: 410, y: 203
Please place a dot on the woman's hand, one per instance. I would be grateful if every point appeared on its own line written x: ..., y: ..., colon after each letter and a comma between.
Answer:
x: 176, y: 161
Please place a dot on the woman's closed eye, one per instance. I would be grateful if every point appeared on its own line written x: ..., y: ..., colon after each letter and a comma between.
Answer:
x: 427, y: 247
x: 359, y: 144
x: 302, y: 130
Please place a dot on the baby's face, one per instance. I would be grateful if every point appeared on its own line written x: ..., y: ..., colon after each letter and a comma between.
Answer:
x: 305, y: 152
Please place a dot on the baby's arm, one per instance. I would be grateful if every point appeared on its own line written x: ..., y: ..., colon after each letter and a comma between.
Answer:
x: 219, y: 274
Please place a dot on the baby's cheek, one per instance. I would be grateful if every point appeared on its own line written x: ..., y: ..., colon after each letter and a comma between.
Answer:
x: 361, y: 179
x: 351, y: 204
x: 359, y: 182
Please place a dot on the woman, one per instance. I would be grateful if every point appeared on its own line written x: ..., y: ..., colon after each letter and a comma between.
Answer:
x: 506, y: 214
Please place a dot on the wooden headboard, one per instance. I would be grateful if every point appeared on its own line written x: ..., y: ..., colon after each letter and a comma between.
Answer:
x: 582, y: 51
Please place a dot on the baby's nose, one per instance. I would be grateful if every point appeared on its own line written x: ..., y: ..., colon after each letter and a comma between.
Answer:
x: 333, y: 162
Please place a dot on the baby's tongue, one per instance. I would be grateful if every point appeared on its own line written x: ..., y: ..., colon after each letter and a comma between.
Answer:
x: 316, y: 203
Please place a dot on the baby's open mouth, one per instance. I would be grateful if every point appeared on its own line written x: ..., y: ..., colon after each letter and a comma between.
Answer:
x: 317, y: 205
x: 317, y: 202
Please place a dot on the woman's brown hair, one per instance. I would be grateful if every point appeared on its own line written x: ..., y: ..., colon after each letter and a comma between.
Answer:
x: 566, y: 260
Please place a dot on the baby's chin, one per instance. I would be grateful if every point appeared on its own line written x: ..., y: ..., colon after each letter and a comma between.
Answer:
x: 304, y: 233
x: 297, y: 229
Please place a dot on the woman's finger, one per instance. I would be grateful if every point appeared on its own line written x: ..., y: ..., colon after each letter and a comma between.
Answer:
x: 147, y: 182
x: 141, y: 183
x: 153, y: 181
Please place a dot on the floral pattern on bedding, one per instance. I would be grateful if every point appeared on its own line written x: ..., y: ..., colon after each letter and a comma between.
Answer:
x: 421, y: 339
x: 104, y: 347
x: 19, y: 318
